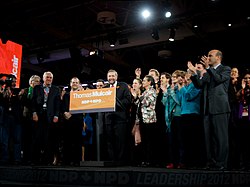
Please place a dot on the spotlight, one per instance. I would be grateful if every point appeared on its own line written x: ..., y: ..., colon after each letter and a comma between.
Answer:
x: 96, y: 52
x: 196, y: 25
x: 167, y: 8
x: 167, y: 14
x: 112, y: 38
x: 112, y: 42
x: 171, y: 35
x: 155, y: 34
x: 93, y: 52
x: 146, y: 14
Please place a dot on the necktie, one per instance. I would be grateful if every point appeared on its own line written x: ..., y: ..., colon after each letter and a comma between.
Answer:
x: 46, y: 90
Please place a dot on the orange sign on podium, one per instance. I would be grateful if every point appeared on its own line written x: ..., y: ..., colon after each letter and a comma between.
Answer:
x: 93, y: 100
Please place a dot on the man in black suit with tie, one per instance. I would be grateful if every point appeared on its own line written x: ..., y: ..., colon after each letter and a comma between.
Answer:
x: 116, y: 123
x: 45, y: 108
x: 215, y: 83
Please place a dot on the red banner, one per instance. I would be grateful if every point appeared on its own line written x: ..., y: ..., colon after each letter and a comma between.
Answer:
x: 11, y: 59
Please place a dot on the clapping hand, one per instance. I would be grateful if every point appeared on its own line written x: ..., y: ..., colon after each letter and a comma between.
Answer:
x: 191, y: 67
x: 204, y: 60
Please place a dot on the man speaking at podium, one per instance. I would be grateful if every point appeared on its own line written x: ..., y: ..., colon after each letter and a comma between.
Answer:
x: 116, y: 123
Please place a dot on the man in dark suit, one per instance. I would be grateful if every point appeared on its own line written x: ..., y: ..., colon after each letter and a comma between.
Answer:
x: 215, y: 83
x: 45, y: 108
x: 73, y: 125
x: 116, y: 123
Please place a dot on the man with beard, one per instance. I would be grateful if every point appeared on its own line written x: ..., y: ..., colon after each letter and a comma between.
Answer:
x: 116, y: 123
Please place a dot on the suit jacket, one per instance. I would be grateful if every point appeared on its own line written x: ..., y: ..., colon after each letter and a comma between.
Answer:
x: 123, y: 102
x: 215, y: 83
x: 53, y: 101
x: 65, y: 108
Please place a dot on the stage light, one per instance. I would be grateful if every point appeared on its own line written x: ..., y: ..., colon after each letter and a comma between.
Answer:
x: 171, y: 35
x: 167, y: 14
x: 155, y: 34
x: 112, y: 42
x: 146, y: 14
x: 96, y: 53
x: 166, y: 4
x: 112, y: 39
x: 93, y: 52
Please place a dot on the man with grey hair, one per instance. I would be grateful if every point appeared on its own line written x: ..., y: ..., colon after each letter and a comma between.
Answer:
x: 45, y: 109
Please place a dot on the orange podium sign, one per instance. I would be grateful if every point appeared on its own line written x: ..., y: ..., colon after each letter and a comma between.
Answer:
x: 93, y: 100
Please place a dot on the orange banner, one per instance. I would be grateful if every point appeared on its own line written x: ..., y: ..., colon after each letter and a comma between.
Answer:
x: 93, y: 100
x: 10, y: 59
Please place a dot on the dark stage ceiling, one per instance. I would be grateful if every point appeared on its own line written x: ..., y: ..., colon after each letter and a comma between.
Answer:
x: 58, y: 36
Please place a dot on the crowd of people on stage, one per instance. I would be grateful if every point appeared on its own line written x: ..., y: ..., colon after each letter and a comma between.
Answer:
x: 193, y: 118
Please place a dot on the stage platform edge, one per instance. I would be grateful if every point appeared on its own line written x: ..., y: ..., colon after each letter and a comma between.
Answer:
x: 125, y: 176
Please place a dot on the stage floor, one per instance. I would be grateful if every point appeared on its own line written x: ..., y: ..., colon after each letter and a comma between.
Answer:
x: 97, y: 175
